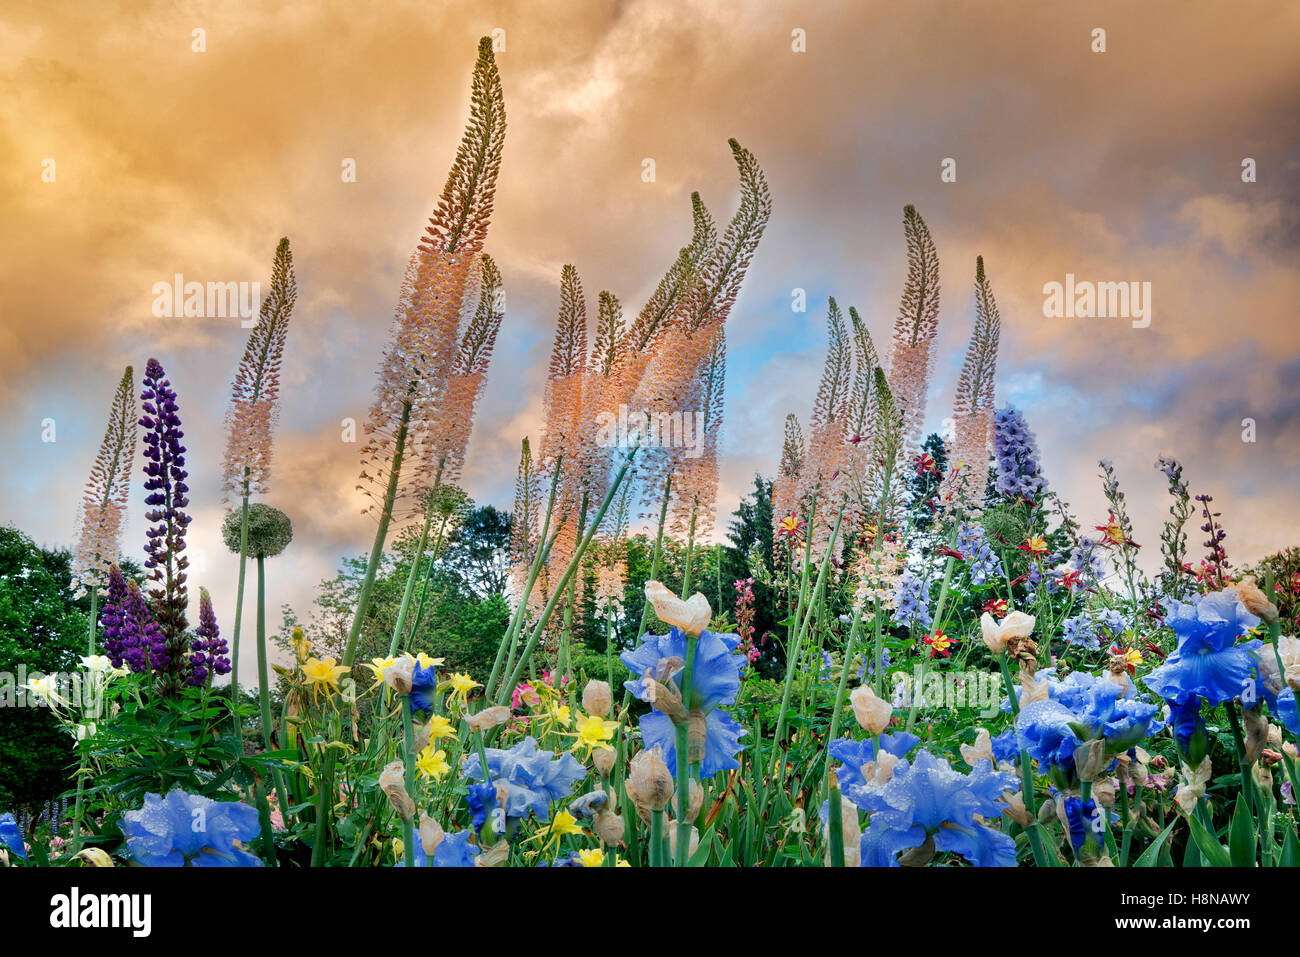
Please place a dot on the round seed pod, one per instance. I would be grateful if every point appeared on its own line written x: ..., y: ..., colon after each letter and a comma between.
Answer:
x: 269, y: 531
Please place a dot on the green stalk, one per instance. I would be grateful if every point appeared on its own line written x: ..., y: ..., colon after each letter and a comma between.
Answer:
x: 264, y: 685
x: 408, y: 741
x: 239, y: 611
x: 656, y: 837
x: 1026, y: 773
x: 412, y: 574
x: 424, y: 588
x: 516, y: 620
x: 569, y: 572
x: 836, y: 822
x: 381, y: 533
x: 792, y: 653
x: 1247, y: 780
x: 683, y: 759
x: 658, y: 551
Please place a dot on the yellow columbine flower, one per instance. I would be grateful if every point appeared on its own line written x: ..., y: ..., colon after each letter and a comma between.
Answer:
x: 440, y: 727
x: 563, y: 823
x: 432, y: 764
x: 426, y: 662
x: 592, y: 858
x: 560, y: 715
x: 322, y: 674
x: 594, y: 732
x: 377, y: 666
x: 461, y: 685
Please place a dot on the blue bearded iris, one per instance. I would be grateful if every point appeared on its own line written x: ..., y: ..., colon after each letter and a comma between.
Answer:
x: 929, y: 800
x: 10, y: 835
x: 855, y: 755
x: 1207, y: 661
x: 715, y: 681
x: 454, y: 851
x: 189, y: 830
x: 533, y: 778
x: 424, y: 688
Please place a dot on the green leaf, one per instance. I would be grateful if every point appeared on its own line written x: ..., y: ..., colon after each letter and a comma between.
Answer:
x: 1290, y: 850
x: 1215, y: 854
x: 1241, y: 836
x: 1151, y: 856
x: 701, y: 855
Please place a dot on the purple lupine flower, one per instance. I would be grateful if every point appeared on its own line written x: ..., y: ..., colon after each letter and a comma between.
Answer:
x: 208, y: 650
x: 130, y: 633
x: 1019, y: 475
x: 165, y: 475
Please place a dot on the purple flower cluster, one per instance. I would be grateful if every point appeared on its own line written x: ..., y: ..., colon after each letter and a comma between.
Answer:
x: 1019, y: 476
x: 164, y: 469
x: 130, y: 634
x: 981, y: 561
x: 911, y: 601
x: 208, y: 650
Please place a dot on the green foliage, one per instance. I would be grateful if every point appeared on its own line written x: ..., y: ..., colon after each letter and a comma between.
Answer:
x: 43, y: 629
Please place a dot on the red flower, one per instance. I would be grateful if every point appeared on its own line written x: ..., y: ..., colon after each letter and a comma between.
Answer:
x: 940, y: 644
x: 1068, y: 580
x: 997, y: 607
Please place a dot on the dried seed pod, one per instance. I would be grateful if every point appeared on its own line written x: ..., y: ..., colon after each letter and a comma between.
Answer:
x: 393, y: 782
x: 597, y: 698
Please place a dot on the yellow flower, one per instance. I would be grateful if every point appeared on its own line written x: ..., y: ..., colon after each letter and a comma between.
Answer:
x: 301, y: 644
x: 592, y: 858
x: 440, y: 727
x: 594, y: 732
x: 377, y: 666
x: 426, y: 662
x: 461, y: 685
x: 432, y: 764
x: 322, y: 674
x: 560, y: 715
x: 621, y: 863
x: 563, y: 823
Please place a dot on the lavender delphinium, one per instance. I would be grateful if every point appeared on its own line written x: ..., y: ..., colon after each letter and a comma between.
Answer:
x: 1019, y: 476
x: 911, y: 601
x: 208, y: 652
x: 165, y: 476
x: 982, y: 562
x: 130, y: 634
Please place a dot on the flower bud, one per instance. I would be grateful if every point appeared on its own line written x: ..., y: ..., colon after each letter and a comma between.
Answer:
x: 691, y: 616
x: 431, y: 834
x: 649, y: 784
x: 94, y: 857
x: 494, y: 856
x: 873, y: 712
x: 692, y: 845
x: 1255, y: 601
x: 393, y: 782
x: 398, y: 675
x: 604, y: 761
x: 488, y: 718
x: 667, y: 699
x: 597, y: 699
x: 697, y: 735
x: 1256, y: 735
x: 608, y: 827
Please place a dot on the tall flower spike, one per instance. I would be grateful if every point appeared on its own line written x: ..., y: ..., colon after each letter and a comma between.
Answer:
x: 828, y: 444
x: 968, y: 453
x: 523, y: 523
x: 167, y: 499
x: 915, y: 330
x: 455, y: 420
x: 883, y: 486
x: 563, y: 441
x: 103, y: 506
x: 208, y: 653
x: 426, y: 337
x: 785, y: 490
x: 686, y: 358
x: 253, y: 410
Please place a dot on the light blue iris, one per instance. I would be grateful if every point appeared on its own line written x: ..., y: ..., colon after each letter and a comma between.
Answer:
x: 11, y: 836
x: 1207, y: 661
x: 533, y: 778
x: 928, y: 799
x: 454, y: 851
x: 189, y: 830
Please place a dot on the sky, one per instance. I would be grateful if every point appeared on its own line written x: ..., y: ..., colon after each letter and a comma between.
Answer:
x: 1122, y: 165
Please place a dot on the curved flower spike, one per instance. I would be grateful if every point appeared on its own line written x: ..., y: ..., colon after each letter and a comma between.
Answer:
x: 691, y: 616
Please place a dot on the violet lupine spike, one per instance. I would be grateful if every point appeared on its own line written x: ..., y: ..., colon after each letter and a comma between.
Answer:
x: 208, y: 651
x: 131, y: 636
x: 165, y: 476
